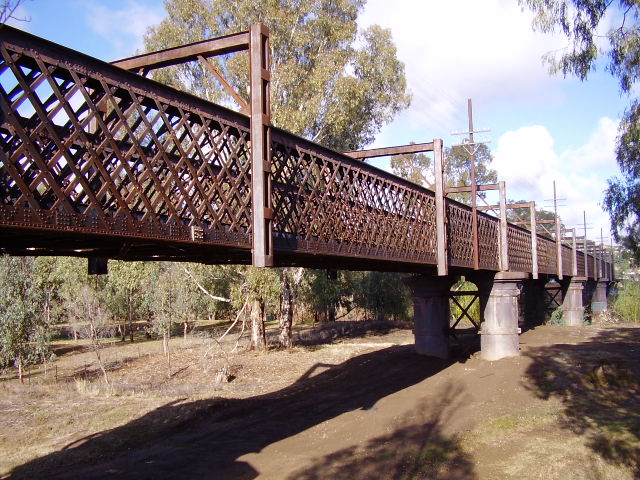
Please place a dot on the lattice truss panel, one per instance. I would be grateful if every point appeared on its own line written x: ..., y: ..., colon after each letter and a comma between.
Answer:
x: 567, y: 260
x: 488, y: 232
x: 325, y: 203
x: 547, y: 260
x: 580, y: 262
x: 88, y: 150
x: 460, y: 226
x: 519, y: 249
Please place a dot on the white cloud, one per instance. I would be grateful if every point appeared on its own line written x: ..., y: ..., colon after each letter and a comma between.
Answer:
x: 598, y: 153
x: 462, y: 48
x: 527, y: 161
x: 125, y: 27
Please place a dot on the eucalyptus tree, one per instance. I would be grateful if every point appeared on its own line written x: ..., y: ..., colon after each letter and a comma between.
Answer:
x: 418, y: 168
x: 604, y: 30
x: 23, y: 331
x: 330, y: 82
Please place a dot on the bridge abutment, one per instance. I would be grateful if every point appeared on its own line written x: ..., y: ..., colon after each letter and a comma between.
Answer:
x: 500, y: 331
x: 572, y: 303
x: 431, y: 314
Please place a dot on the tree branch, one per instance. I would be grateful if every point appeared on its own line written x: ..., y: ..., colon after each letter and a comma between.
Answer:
x: 204, y: 290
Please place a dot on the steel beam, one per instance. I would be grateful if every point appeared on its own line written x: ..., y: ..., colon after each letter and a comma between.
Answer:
x: 534, y: 240
x: 441, y: 229
x: 262, y: 211
x: 387, y: 151
x: 467, y: 188
x: 236, y: 42
x: 504, y: 241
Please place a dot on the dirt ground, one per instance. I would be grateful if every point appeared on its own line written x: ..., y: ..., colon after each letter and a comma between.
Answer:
x: 362, y: 405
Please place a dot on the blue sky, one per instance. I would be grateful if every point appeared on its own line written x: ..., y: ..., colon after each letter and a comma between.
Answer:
x: 543, y: 128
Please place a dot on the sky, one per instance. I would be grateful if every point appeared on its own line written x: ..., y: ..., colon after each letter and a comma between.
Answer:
x: 543, y: 128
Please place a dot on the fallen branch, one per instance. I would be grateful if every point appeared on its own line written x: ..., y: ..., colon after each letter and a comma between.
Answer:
x: 234, y: 322
x: 204, y: 290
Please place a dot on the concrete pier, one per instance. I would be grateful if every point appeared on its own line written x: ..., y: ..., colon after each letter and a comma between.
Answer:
x: 431, y: 314
x: 572, y: 306
x: 599, y: 299
x: 500, y: 331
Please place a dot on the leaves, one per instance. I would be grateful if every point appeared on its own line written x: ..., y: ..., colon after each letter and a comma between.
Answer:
x: 418, y: 168
x: 580, y: 20
x: 330, y: 83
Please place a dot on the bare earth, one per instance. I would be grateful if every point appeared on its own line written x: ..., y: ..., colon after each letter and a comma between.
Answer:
x: 364, y: 406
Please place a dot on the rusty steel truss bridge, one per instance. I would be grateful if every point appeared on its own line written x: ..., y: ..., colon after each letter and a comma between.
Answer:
x: 97, y: 160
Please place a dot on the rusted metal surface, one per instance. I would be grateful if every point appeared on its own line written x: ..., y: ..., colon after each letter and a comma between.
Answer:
x: 488, y: 232
x: 261, y: 198
x: 442, y: 240
x: 89, y: 148
x: 383, y: 152
x: 236, y: 42
x: 97, y: 161
x: 328, y: 204
x: 503, y: 239
x: 520, y: 258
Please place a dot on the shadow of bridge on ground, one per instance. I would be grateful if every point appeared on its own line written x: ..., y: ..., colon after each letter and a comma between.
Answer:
x: 206, y: 438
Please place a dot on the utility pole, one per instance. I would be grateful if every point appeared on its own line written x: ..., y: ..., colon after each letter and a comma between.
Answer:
x: 474, y: 189
x: 471, y: 147
x: 557, y: 233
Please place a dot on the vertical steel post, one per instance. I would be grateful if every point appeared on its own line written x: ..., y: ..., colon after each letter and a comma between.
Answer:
x: 504, y: 241
x: 602, y: 267
x: 441, y: 231
x: 260, y: 76
x: 574, y: 270
x: 534, y: 240
x: 584, y: 245
x: 613, y: 272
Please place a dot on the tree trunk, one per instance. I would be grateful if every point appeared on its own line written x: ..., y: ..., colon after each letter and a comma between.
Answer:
x: 168, y: 354
x: 130, y: 315
x: 20, y: 376
x: 185, y: 331
x: 286, y: 313
x: 95, y: 339
x: 258, y: 339
x: 331, y: 312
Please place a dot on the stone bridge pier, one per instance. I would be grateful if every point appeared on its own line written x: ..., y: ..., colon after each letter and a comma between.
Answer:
x: 509, y: 301
x: 597, y: 292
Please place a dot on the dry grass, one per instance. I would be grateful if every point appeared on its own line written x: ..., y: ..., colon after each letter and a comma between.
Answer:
x: 530, y: 438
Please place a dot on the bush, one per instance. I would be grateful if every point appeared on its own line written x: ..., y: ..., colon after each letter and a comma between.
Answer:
x: 557, y: 317
x: 627, y: 303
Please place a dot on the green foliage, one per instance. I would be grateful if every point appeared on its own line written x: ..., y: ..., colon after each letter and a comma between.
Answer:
x: 557, y: 317
x: 330, y: 83
x: 326, y: 291
x: 383, y: 295
x: 418, y: 168
x: 622, y: 198
x: 627, y: 303
x: 474, y: 310
x: 24, y: 333
x: 579, y: 21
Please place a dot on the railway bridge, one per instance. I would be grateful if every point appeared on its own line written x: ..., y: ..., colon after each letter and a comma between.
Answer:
x: 99, y: 161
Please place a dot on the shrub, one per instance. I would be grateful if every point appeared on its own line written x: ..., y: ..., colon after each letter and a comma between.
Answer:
x: 627, y: 303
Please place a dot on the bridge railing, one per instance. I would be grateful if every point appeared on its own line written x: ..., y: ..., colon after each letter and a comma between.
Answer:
x: 91, y: 150
x: 329, y: 204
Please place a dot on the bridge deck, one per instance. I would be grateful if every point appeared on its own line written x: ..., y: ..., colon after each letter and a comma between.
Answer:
x: 98, y: 161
